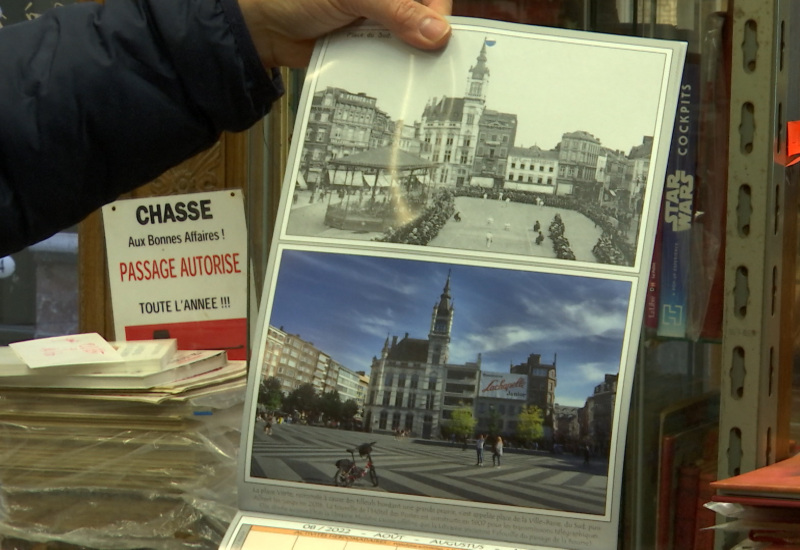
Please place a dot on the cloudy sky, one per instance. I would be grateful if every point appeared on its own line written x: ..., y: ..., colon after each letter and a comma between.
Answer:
x: 347, y: 305
x: 553, y: 86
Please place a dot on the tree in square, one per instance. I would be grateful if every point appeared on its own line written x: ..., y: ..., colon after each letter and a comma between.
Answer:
x: 529, y: 426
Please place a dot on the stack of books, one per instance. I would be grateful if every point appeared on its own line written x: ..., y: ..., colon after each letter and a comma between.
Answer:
x: 87, y: 362
x: 763, y: 506
x: 129, y: 438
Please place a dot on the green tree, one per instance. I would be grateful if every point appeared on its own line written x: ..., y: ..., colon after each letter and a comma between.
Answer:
x: 462, y: 423
x: 270, y: 395
x: 330, y: 404
x: 349, y: 410
x: 529, y: 426
x: 303, y: 399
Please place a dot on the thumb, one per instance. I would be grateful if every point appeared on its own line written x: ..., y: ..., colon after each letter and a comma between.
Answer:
x: 420, y: 24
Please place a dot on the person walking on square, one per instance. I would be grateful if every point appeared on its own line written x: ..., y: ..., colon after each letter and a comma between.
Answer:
x: 497, y: 451
x: 479, y: 443
x: 268, y: 425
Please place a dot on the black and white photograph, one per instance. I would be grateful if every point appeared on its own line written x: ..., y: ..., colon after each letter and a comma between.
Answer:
x: 514, y: 145
x: 450, y: 381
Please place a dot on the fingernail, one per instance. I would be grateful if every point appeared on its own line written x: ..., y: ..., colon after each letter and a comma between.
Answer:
x: 434, y: 29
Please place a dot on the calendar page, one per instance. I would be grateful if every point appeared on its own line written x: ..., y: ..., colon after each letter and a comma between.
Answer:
x: 451, y: 314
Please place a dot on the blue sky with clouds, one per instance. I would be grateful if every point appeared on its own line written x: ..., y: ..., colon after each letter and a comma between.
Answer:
x: 347, y: 305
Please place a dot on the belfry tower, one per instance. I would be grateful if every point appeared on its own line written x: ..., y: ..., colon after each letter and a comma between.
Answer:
x: 441, y: 325
x: 478, y: 78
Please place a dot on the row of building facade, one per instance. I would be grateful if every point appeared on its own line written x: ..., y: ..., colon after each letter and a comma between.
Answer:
x: 295, y: 362
x: 413, y: 386
x: 470, y: 144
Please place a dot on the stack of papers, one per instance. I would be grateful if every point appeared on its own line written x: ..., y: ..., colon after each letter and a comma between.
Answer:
x: 90, y: 427
x: 88, y: 362
x: 763, y: 505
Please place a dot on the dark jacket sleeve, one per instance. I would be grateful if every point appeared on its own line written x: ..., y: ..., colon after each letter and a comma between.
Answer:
x: 97, y: 100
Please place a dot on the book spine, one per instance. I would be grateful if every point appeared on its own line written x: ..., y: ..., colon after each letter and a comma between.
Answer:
x: 677, y: 209
x: 704, y: 538
x: 686, y: 507
x: 708, y: 250
x: 666, y: 492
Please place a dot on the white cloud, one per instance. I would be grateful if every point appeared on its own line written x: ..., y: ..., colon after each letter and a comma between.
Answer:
x: 380, y: 325
x: 595, y: 371
x: 505, y: 337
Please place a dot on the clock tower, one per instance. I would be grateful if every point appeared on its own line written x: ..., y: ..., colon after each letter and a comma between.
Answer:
x: 441, y: 324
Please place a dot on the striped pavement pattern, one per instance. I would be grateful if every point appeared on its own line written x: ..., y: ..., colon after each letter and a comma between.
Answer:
x: 543, y: 481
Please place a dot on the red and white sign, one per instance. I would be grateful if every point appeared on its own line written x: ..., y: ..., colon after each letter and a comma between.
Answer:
x: 500, y: 385
x: 177, y: 267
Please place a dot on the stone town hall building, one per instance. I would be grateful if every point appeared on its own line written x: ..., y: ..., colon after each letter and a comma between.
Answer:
x: 412, y: 386
x: 463, y: 137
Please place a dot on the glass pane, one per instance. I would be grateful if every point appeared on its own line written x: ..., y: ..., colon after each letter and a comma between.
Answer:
x: 39, y: 290
x: 794, y: 426
x: 675, y: 403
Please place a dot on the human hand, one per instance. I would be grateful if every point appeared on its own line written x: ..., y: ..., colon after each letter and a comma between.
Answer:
x: 284, y: 31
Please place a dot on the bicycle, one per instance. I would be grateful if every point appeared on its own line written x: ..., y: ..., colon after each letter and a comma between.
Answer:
x: 348, y: 471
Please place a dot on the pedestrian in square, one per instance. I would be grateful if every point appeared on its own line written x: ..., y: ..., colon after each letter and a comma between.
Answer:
x: 268, y: 425
x: 479, y: 443
x: 497, y: 451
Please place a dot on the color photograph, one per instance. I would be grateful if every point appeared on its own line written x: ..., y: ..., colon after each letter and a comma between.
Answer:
x: 442, y: 380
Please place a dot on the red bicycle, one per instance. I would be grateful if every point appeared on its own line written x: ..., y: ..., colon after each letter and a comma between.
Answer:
x: 347, y: 471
